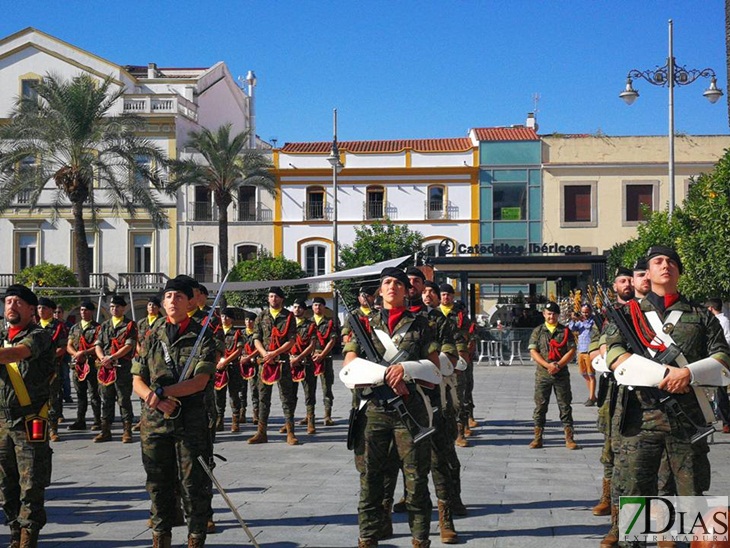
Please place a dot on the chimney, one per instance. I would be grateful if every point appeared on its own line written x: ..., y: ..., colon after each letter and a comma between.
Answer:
x: 531, y: 121
x: 151, y: 70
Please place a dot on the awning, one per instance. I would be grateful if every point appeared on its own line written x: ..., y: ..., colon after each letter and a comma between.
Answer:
x: 359, y: 272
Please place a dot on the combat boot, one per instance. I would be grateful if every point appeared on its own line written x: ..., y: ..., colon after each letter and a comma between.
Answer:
x: 196, y: 542
x: 105, y: 434
x: 282, y: 429
x: 28, y: 538
x: 467, y: 430
x: 569, y: 441
x: 163, y: 540
x: 53, y: 432
x: 603, y: 508
x: 400, y: 506
x: 137, y: 426
x: 328, y: 417
x: 446, y: 524
x: 242, y: 416
x: 260, y: 435
x: 611, y: 538
x: 96, y: 425
x: 537, y: 442
x: 473, y: 423
x: 14, y: 535
x: 210, y: 526
x: 291, y: 439
x: 234, y: 421
x: 255, y: 417
x: 303, y: 422
x: 127, y: 433
x: 310, y: 424
x: 79, y: 424
x: 367, y: 543
x: 461, y: 441
x: 425, y: 543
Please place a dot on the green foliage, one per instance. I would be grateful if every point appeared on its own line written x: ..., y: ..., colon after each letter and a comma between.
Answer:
x: 50, y: 275
x: 265, y: 268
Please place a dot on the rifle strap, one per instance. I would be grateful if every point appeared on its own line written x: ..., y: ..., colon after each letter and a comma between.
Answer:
x: 21, y: 391
x: 390, y: 343
x: 427, y: 403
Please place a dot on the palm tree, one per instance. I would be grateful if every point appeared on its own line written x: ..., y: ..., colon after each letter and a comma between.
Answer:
x: 229, y: 164
x: 70, y: 137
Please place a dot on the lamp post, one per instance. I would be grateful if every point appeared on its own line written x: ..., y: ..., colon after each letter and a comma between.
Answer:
x: 334, y: 160
x: 671, y: 75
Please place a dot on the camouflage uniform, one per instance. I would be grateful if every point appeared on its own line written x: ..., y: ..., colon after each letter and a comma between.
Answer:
x: 326, y: 332
x: 545, y: 383
x: 253, y: 382
x: 144, y: 327
x: 285, y: 325
x: 110, y: 340
x: 382, y: 427
x: 464, y: 333
x: 305, y: 331
x: 216, y: 332
x: 172, y: 445
x: 88, y: 389
x: 25, y: 467
x: 646, y: 429
x: 233, y: 340
x: 59, y: 335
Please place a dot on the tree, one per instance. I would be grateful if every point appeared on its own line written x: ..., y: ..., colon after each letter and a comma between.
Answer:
x: 68, y: 132
x: 49, y: 275
x: 228, y: 166
x: 266, y: 267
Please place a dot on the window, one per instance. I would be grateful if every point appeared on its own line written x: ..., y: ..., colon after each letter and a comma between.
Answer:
x: 315, y: 263
x: 247, y: 203
x: 203, y: 263
x: 510, y: 201
x: 435, y: 203
x: 28, y: 88
x: 246, y: 252
x: 27, y: 249
x: 142, y: 251
x: 375, y: 203
x: 438, y: 249
x: 638, y: 197
x: 315, y: 204
x: 144, y: 166
x: 578, y: 204
x: 91, y: 250
x: 203, y: 209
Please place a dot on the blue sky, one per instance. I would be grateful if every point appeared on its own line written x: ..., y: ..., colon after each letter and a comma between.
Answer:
x: 417, y: 69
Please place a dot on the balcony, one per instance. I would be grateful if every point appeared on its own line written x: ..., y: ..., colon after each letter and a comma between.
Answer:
x: 316, y: 211
x: 259, y: 214
x: 166, y: 103
x: 205, y: 212
x: 141, y: 280
x: 320, y: 287
x: 6, y: 280
x: 436, y: 209
x: 376, y: 210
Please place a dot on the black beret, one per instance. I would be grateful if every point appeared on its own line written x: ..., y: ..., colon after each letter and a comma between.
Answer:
x: 641, y: 264
x: 432, y: 285
x: 447, y: 288
x: 192, y: 282
x: 154, y: 299
x: 367, y: 290
x: 552, y: 307
x: 396, y: 273
x: 301, y: 302
x: 657, y: 250
x: 413, y: 271
x: 19, y: 290
x: 319, y: 300
x: 88, y: 305
x: 249, y: 315
x: 118, y: 300
x: 203, y: 289
x: 45, y: 301
x: 181, y: 284
x: 623, y: 271
x: 229, y: 311
x: 277, y: 291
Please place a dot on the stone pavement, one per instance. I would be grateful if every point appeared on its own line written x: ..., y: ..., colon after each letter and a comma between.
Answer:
x: 307, y: 495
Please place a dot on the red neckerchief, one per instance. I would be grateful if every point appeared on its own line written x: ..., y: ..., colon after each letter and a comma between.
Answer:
x: 365, y: 322
x: 118, y: 342
x: 394, y: 316
x: 301, y: 343
x: 83, y: 343
x: 322, y: 337
x: 643, y: 330
x: 554, y: 353
x: 232, y: 350
x: 13, y: 332
x: 57, y: 334
x: 182, y: 326
x: 276, y: 335
x: 669, y: 300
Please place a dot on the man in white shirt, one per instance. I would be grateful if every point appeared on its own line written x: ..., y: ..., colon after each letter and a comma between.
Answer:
x: 723, y: 404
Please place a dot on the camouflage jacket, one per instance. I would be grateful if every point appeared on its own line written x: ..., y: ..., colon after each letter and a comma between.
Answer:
x: 552, y: 346
x: 233, y: 340
x: 83, y: 339
x: 305, y: 332
x: 441, y: 325
x: 274, y: 333
x: 326, y: 332
x: 463, y: 328
x: 112, y: 338
x: 36, y: 371
x: 59, y: 335
x: 215, y: 327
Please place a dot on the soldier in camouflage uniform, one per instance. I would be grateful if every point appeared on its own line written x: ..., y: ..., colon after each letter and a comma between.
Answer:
x: 152, y: 320
x: 274, y: 335
x: 59, y: 334
x: 381, y: 426
x: 174, y: 430
x: 249, y: 367
x: 300, y: 359
x: 326, y: 339
x: 552, y: 347
x: 227, y: 368
x: 115, y: 348
x: 647, y: 427
x: 80, y: 347
x: 27, y: 353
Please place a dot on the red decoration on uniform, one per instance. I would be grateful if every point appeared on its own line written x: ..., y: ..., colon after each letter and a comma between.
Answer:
x: 554, y: 354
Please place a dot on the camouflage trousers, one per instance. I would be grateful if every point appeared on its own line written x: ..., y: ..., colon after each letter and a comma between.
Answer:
x: 25, y: 472
x: 119, y: 392
x: 377, y: 432
x: 545, y: 384
x: 55, y: 402
x: 467, y: 403
x: 327, y: 379
x: 170, y: 450
x: 235, y: 389
x: 309, y: 385
x: 87, y: 390
x: 287, y: 395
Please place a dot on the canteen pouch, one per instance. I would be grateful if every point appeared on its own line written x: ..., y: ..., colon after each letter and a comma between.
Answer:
x: 36, y: 429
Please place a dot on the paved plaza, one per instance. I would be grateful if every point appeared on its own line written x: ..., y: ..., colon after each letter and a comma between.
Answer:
x: 307, y: 495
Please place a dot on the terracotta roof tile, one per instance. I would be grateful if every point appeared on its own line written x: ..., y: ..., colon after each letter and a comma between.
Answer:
x: 506, y: 134
x: 459, y: 144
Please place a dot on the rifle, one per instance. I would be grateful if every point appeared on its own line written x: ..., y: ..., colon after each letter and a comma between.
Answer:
x: 666, y: 357
x: 381, y: 393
